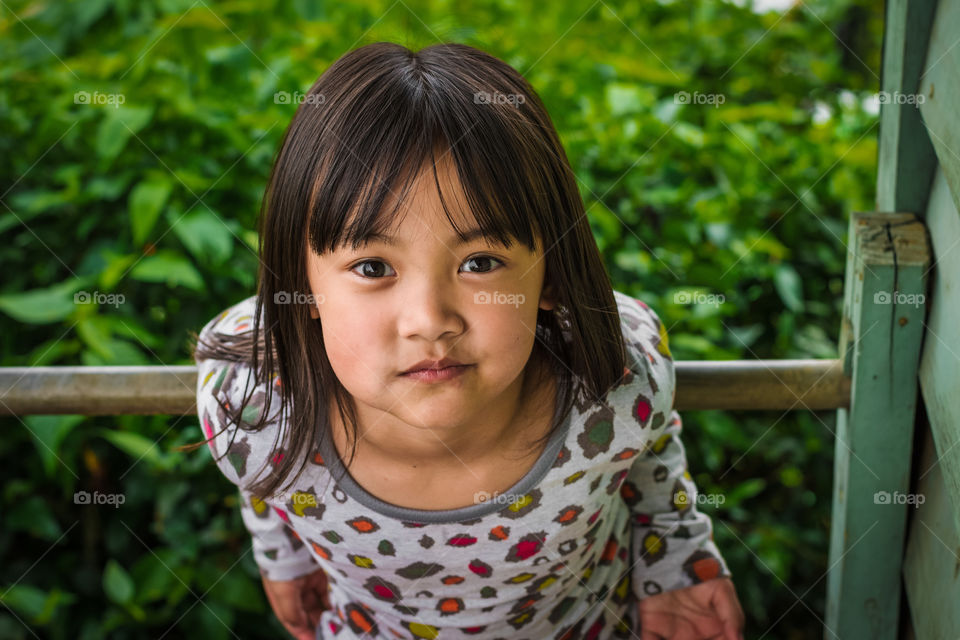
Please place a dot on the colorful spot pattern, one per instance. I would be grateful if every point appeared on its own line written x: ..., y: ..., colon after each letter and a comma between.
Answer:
x: 611, y: 521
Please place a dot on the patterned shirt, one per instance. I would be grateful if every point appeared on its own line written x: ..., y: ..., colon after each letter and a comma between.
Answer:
x: 605, y: 517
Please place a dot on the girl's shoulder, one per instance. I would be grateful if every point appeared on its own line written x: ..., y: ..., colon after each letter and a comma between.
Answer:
x: 648, y: 353
x: 644, y: 335
x: 235, y: 320
x: 231, y: 398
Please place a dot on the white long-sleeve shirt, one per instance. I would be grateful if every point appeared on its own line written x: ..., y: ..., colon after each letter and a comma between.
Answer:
x: 605, y: 517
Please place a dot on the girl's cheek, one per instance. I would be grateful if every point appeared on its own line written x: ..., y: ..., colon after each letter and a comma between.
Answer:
x: 504, y: 328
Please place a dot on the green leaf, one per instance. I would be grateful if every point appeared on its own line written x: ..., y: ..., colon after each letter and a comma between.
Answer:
x: 29, y: 203
x: 789, y: 287
x: 745, y: 490
x: 115, y: 269
x: 117, y: 127
x: 96, y: 336
x: 250, y: 238
x: 623, y: 98
x: 50, y: 351
x: 169, y: 267
x: 212, y: 622
x: 33, y: 516
x: 30, y: 602
x: 117, y: 582
x: 121, y: 353
x: 690, y: 134
x: 86, y: 13
x: 145, y: 204
x: 204, y: 234
x: 107, y: 187
x: 48, y: 432
x: 41, y: 306
x: 153, y: 576
x: 238, y: 592
x: 311, y: 10
x: 135, y: 445
x: 132, y: 329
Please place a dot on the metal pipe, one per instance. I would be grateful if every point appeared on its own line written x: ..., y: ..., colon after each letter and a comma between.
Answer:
x: 151, y: 390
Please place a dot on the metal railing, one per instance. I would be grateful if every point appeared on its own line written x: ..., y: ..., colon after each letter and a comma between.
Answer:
x: 151, y: 390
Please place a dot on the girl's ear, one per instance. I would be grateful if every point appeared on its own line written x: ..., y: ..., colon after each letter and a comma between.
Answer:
x: 314, y: 313
x: 548, y: 298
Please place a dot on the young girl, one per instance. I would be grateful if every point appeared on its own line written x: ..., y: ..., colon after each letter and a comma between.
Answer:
x: 515, y: 466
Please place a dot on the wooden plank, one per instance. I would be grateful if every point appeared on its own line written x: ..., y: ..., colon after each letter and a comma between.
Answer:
x: 931, y: 565
x: 734, y: 384
x: 940, y: 88
x: 874, y: 437
x: 906, y: 160
x: 940, y: 361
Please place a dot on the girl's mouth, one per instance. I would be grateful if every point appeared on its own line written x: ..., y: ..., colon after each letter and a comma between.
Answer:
x: 437, y: 375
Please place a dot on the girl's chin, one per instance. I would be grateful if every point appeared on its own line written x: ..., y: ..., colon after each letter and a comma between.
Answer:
x: 439, y: 415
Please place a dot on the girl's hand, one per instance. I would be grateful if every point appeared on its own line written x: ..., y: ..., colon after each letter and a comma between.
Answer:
x: 298, y: 603
x: 706, y: 611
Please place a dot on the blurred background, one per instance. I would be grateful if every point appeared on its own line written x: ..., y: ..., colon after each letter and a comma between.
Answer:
x: 719, y: 147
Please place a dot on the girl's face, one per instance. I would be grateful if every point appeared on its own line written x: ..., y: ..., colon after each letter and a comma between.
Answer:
x: 418, y: 295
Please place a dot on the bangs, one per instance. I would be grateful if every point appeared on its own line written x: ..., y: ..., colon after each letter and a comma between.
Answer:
x: 378, y: 206
x: 377, y: 137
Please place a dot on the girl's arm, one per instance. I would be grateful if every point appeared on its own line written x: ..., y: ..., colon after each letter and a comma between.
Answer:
x: 672, y: 541
x: 277, y: 549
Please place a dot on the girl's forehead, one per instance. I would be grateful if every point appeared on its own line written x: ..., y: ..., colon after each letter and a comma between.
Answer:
x: 427, y: 202
x: 435, y: 184
x: 431, y: 202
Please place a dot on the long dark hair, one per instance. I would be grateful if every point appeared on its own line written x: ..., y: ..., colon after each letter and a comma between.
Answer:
x: 377, y: 115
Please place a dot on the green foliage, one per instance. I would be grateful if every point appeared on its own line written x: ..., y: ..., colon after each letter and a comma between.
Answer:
x: 137, y: 139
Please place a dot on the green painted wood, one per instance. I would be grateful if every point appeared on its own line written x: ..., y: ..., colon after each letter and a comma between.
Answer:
x: 906, y: 160
x: 890, y: 255
x: 940, y: 87
x: 931, y: 565
x: 940, y: 361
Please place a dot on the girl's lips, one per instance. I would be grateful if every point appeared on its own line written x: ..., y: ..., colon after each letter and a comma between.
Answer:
x: 433, y: 364
x: 437, y: 375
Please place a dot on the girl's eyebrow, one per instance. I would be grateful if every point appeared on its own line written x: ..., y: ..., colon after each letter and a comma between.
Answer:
x: 468, y: 236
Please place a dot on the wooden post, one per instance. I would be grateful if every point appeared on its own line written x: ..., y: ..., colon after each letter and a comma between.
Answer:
x: 906, y: 161
x: 883, y: 310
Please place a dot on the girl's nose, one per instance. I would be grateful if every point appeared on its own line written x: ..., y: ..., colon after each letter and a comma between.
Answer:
x: 428, y: 310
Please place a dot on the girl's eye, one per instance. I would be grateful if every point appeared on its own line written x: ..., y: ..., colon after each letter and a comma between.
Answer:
x: 483, y: 262
x: 375, y: 269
